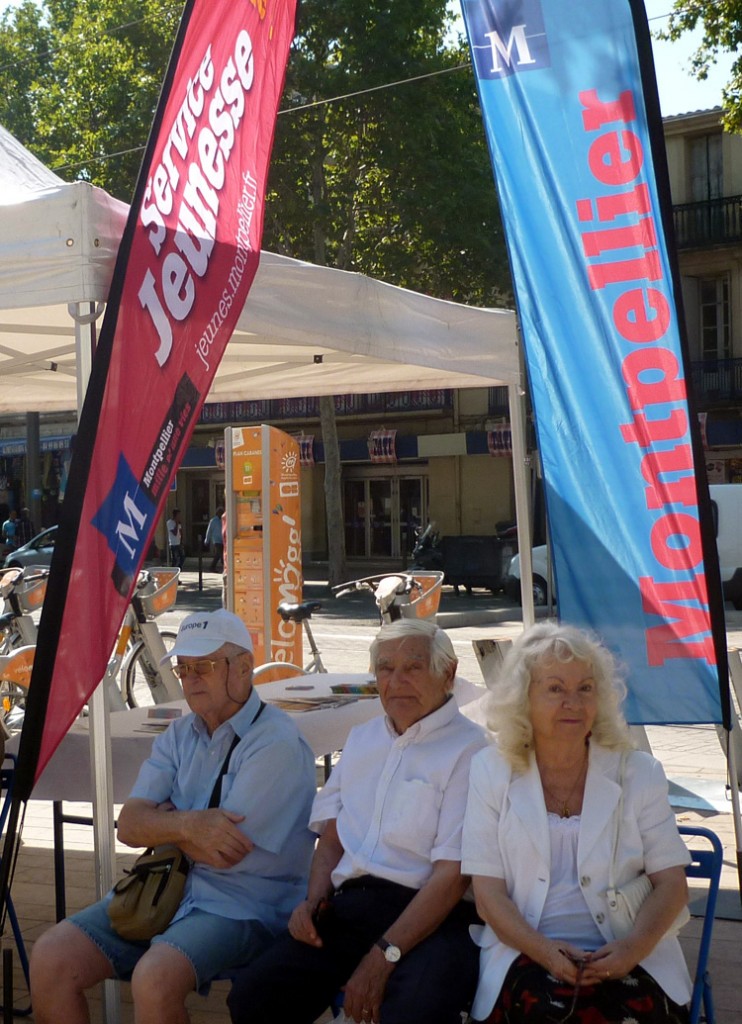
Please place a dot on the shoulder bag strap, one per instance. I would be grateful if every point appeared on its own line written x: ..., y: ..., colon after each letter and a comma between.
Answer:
x: 618, y: 815
x: 216, y: 793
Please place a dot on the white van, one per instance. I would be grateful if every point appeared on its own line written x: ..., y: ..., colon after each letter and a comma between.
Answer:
x: 726, y: 507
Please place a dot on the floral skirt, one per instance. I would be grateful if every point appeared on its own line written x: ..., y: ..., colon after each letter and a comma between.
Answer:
x: 530, y: 995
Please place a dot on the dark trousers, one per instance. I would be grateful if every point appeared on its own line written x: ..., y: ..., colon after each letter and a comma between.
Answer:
x: 217, y: 562
x: 295, y: 983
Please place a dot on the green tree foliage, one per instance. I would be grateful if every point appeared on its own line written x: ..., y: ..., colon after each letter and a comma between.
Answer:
x: 79, y: 81
x: 395, y: 183
x: 721, y: 24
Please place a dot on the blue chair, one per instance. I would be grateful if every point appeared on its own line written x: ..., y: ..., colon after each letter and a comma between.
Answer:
x: 7, y: 777
x: 706, y: 863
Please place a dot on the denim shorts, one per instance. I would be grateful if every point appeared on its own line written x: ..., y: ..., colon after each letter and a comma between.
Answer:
x: 212, y: 944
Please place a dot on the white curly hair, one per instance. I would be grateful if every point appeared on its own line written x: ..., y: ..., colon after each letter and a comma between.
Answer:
x: 508, y: 703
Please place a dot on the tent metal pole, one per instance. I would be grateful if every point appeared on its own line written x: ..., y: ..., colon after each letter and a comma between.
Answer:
x: 521, y: 463
x: 734, y: 790
x: 85, y: 315
x: 732, y: 743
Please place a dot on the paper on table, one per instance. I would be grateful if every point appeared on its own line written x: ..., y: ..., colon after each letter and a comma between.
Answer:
x: 312, y: 703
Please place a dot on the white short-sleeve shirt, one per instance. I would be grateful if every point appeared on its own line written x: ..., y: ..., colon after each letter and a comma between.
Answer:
x: 399, y: 800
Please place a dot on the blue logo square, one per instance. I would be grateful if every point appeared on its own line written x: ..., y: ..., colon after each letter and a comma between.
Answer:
x: 125, y: 519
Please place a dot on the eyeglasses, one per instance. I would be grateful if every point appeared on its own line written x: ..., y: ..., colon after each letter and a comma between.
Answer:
x: 204, y: 667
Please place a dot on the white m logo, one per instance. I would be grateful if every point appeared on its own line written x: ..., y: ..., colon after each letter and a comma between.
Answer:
x: 499, y: 49
x: 131, y: 530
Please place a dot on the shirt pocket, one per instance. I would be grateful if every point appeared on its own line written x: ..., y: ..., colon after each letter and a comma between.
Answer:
x: 410, y: 820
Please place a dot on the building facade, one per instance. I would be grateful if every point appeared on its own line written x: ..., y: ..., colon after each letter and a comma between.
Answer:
x: 705, y: 165
x: 408, y: 457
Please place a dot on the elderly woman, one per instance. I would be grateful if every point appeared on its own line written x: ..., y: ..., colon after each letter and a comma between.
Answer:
x: 540, y: 830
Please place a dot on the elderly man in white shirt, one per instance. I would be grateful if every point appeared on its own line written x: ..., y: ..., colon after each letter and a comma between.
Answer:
x: 385, y: 917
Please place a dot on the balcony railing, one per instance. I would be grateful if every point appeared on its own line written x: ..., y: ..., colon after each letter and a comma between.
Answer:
x: 270, y: 410
x: 717, y: 380
x: 715, y: 222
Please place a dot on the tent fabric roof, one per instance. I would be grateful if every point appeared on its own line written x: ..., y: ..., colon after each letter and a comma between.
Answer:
x: 58, y: 245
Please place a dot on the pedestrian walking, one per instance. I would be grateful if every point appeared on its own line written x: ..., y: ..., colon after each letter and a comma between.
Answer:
x: 175, y: 539
x: 10, y: 527
x: 24, y: 528
x: 213, y: 540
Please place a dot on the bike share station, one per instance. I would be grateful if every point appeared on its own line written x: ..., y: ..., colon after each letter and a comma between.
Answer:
x: 263, y: 550
x: 264, y: 587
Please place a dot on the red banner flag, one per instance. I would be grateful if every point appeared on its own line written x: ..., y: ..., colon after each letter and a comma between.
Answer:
x: 187, y: 259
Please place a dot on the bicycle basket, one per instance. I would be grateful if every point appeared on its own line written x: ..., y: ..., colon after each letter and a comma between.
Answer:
x: 31, y: 592
x: 424, y: 604
x: 8, y: 580
x: 165, y: 590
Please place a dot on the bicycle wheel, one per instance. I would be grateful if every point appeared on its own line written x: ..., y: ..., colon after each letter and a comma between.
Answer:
x: 138, y: 674
x: 10, y: 640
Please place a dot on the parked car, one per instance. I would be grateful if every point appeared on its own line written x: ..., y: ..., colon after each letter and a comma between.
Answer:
x: 38, y: 551
x: 540, y: 576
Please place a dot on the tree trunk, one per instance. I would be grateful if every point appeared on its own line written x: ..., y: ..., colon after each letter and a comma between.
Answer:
x: 336, y: 571
x: 336, y: 568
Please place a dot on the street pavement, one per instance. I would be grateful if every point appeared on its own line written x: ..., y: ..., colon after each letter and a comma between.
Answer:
x: 343, y: 628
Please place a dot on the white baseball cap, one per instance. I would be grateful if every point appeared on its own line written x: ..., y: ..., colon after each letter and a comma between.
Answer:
x: 202, y: 633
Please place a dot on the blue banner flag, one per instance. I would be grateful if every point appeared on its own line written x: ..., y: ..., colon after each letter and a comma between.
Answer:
x: 572, y: 119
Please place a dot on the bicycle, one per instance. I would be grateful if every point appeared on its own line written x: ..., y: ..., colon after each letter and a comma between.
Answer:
x: 403, y: 595
x: 23, y: 592
x: 141, y: 645
x: 300, y: 613
x: 134, y: 675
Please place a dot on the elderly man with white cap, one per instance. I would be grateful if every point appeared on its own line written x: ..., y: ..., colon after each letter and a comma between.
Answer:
x: 250, y: 847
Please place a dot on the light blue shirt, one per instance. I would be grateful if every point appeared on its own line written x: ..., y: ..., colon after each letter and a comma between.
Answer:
x: 214, y: 531
x: 270, y: 779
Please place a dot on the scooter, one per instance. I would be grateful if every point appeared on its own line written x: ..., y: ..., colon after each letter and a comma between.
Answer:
x: 427, y: 552
x: 415, y: 594
x: 468, y: 561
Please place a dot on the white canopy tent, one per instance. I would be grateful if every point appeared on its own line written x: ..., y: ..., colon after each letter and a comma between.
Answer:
x: 305, y: 330
x: 58, y: 244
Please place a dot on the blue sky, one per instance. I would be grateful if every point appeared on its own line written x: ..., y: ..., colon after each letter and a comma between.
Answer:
x: 679, y: 92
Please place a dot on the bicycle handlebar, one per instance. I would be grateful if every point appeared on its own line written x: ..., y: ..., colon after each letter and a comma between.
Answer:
x: 372, y: 582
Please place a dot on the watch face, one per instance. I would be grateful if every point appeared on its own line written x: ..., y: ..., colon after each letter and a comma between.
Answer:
x: 392, y: 953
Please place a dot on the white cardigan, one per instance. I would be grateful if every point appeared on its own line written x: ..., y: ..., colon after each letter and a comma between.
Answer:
x: 506, y: 835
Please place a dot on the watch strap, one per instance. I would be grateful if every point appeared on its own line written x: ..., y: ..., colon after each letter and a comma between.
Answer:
x: 391, y: 952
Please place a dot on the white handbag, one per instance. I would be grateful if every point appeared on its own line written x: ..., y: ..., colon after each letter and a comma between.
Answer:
x: 624, y: 902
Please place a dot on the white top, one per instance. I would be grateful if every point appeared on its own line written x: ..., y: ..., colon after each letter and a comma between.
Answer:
x: 566, y: 914
x: 506, y: 835
x: 399, y: 800
x: 174, y: 532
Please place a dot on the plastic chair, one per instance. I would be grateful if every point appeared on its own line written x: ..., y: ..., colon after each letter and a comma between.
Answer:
x: 706, y: 863
x: 7, y: 777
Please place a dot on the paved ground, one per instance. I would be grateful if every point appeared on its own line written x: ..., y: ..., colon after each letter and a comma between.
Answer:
x: 344, y: 628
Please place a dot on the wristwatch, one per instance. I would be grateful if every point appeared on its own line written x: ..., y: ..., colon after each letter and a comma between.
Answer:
x: 391, y: 952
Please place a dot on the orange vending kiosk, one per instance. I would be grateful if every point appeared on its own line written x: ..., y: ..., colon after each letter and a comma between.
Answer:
x: 263, y: 553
